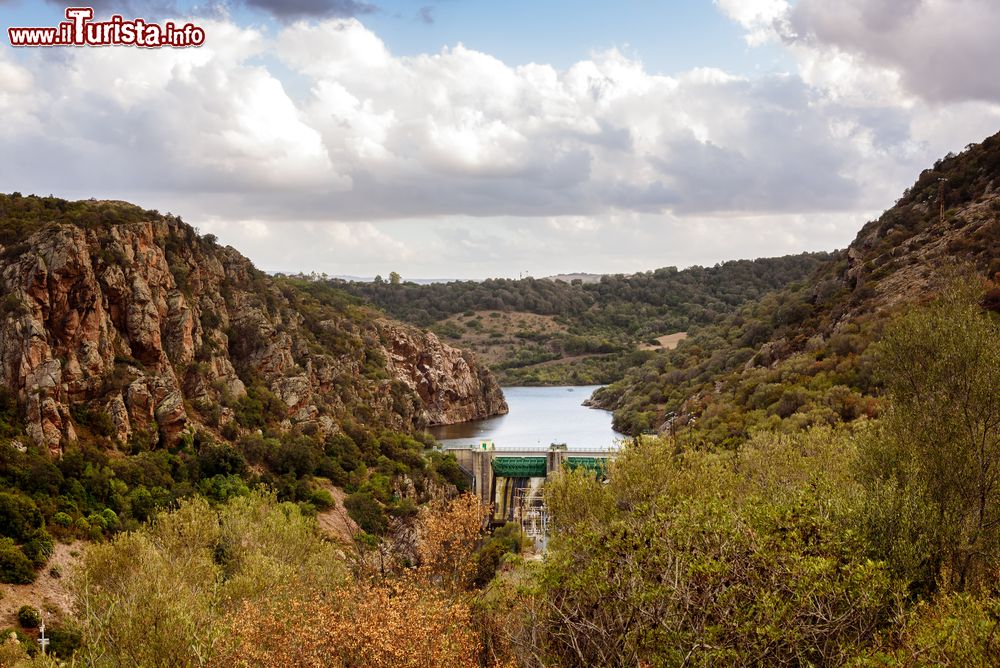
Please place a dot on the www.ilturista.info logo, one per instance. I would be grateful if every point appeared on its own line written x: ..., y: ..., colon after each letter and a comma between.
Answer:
x: 79, y: 30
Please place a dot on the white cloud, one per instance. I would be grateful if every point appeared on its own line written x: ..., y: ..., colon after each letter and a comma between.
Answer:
x: 16, y: 104
x: 316, y: 145
x: 942, y: 50
x: 761, y: 18
x: 365, y: 237
x: 375, y: 136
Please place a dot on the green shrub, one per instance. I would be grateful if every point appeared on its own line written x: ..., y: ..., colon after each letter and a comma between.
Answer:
x: 19, y: 516
x: 447, y: 467
x: 38, y: 548
x: 259, y: 407
x: 29, y: 617
x: 220, y: 459
x: 403, y: 509
x: 298, y: 455
x: 9, y: 423
x: 15, y: 568
x: 223, y: 487
x: 110, y: 518
x: 63, y: 642
x: 952, y: 630
x: 62, y: 519
x: 367, y: 513
x: 321, y: 498
x: 504, y: 540
x: 18, y: 634
x: 709, y: 558
x: 95, y: 419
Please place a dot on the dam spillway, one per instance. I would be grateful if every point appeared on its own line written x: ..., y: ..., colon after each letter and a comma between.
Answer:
x: 511, y: 479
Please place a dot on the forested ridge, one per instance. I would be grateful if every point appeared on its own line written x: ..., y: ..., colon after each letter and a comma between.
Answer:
x: 602, y: 322
x: 801, y: 355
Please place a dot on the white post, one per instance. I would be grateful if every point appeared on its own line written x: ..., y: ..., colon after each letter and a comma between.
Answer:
x: 42, y: 640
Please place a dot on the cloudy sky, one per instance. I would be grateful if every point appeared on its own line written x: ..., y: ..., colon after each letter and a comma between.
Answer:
x: 465, y: 139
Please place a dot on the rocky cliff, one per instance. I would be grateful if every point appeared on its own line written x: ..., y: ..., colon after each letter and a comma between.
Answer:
x: 129, y: 321
x: 949, y: 218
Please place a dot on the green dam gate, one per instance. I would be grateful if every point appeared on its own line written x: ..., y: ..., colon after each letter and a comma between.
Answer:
x: 511, y: 480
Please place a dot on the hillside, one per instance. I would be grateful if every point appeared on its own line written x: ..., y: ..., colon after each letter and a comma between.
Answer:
x: 141, y: 363
x: 549, y: 332
x: 801, y: 356
x: 110, y: 309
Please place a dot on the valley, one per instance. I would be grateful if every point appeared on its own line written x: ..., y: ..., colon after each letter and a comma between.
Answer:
x: 235, y: 452
x: 381, y: 334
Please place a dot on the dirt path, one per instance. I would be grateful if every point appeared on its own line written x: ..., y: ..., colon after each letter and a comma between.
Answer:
x: 47, y: 593
x: 335, y: 520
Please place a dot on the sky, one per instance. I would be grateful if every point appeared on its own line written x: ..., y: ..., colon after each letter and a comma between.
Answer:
x: 468, y: 139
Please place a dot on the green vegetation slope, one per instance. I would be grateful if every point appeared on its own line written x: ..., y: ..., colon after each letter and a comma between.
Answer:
x: 801, y: 356
x: 142, y: 363
x: 542, y: 331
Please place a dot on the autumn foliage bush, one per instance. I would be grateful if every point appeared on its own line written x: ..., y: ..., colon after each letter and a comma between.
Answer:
x: 398, y: 624
x: 417, y: 618
x: 253, y: 583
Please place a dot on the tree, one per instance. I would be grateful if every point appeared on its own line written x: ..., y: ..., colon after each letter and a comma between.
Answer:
x: 157, y: 596
x: 29, y: 617
x: 15, y: 568
x: 395, y: 278
x: 941, y: 436
x: 419, y: 618
x: 366, y: 512
x: 449, y: 533
x: 701, y: 558
x: 19, y: 516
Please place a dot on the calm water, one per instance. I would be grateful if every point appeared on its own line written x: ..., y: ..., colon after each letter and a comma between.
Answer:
x: 539, y: 416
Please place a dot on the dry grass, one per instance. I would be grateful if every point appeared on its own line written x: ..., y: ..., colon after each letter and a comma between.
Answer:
x: 667, y: 342
x: 496, y: 340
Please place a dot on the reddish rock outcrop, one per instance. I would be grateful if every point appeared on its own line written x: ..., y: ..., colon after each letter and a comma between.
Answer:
x: 451, y: 386
x: 160, y: 329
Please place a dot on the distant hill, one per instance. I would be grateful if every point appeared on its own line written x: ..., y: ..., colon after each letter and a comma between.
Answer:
x: 583, y: 278
x: 544, y: 331
x: 801, y: 356
x: 372, y: 279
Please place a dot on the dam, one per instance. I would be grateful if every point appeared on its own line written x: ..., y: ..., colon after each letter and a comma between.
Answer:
x: 510, y: 479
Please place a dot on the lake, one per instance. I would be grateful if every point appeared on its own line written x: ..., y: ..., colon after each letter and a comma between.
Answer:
x: 539, y: 416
